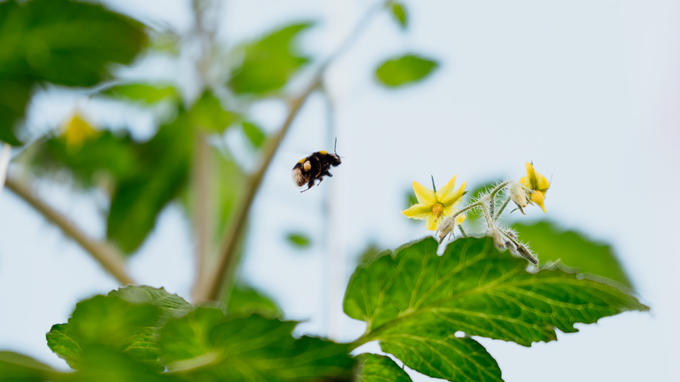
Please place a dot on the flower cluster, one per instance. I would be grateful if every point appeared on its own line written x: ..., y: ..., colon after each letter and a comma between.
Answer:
x: 439, y: 208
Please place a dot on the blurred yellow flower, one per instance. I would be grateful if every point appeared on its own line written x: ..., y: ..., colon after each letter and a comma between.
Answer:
x: 537, y: 183
x: 76, y: 131
x: 434, y: 206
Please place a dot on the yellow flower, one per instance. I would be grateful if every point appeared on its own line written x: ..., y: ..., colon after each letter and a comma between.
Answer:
x: 76, y: 131
x: 434, y: 206
x: 537, y: 183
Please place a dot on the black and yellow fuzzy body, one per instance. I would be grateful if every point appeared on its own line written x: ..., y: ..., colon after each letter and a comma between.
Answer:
x: 316, y: 166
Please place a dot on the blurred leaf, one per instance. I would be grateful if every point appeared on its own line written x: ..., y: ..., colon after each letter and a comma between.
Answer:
x: 404, y: 70
x: 269, y: 62
x: 254, y: 133
x: 14, y: 95
x: 244, y: 299
x: 209, y: 114
x: 141, y: 92
x: 299, y: 240
x: 572, y: 249
x: 399, y: 13
x: 414, y: 301
x: 110, y: 153
x: 59, y: 41
x: 240, y: 349
x: 378, y: 368
x: 161, y: 172
x: 126, y: 321
x: 102, y: 364
x: 370, y: 253
x: 16, y: 367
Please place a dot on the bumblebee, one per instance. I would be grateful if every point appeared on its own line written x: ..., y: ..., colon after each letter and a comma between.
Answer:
x: 316, y: 166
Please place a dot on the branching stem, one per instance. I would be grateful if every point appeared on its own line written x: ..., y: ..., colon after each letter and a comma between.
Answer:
x: 103, y: 253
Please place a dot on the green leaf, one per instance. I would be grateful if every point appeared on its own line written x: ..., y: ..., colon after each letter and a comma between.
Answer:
x: 572, y: 249
x: 371, y: 252
x: 404, y: 70
x: 125, y: 321
x: 378, y: 368
x: 161, y: 173
x: 399, y: 13
x: 58, y: 41
x: 183, y: 341
x: 249, y: 349
x: 111, y: 154
x: 254, y: 133
x: 247, y: 300
x: 299, y: 240
x: 141, y: 92
x: 414, y: 301
x: 270, y: 62
x: 209, y: 114
x: 16, y: 367
x: 14, y: 95
x: 103, y: 364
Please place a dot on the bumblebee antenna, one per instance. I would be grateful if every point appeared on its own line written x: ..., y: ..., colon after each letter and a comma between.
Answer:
x: 335, y: 147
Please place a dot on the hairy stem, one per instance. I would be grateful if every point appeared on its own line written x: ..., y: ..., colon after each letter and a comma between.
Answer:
x: 103, y: 253
x: 500, y: 210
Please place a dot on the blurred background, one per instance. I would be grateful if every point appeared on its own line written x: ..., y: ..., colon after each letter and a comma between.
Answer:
x: 588, y: 91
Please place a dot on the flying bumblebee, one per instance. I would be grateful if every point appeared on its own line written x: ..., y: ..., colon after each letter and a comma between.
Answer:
x: 316, y: 166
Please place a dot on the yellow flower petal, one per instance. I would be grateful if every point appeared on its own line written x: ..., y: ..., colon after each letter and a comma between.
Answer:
x: 418, y: 212
x: 543, y: 185
x: 432, y: 223
x: 460, y: 219
x: 424, y: 194
x: 453, y: 198
x: 538, y: 197
x: 444, y: 192
x: 531, y: 176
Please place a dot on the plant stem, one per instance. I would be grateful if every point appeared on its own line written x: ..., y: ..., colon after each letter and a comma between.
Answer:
x: 220, y: 277
x: 103, y: 253
x: 216, y: 280
x: 202, y: 180
x: 462, y: 231
x: 500, y: 210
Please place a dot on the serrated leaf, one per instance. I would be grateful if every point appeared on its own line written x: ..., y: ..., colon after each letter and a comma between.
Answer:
x: 250, y: 349
x: 16, y: 367
x: 254, y: 134
x: 126, y: 321
x: 58, y: 41
x: 299, y: 240
x: 270, y: 62
x: 172, y: 304
x: 398, y: 11
x: 208, y: 113
x: 142, y: 92
x: 572, y: 249
x: 405, y: 70
x: 378, y: 368
x: 414, y: 301
x: 246, y: 300
x: 161, y: 173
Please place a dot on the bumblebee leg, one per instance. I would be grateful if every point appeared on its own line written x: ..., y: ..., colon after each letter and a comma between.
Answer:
x: 326, y: 173
x: 309, y: 185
